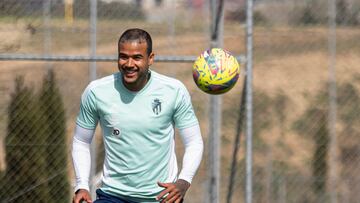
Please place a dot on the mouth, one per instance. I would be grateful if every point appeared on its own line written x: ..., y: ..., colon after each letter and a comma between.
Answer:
x: 129, y: 72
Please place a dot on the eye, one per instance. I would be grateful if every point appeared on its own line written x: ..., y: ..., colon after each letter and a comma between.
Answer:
x: 123, y: 57
x: 137, y: 57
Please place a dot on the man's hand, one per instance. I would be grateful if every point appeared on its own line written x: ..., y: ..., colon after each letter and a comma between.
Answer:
x: 82, y: 195
x: 173, y: 192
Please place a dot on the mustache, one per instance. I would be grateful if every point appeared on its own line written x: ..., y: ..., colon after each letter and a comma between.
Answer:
x: 127, y: 67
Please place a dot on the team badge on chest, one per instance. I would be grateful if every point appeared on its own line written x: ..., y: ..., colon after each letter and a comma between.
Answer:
x: 156, y: 106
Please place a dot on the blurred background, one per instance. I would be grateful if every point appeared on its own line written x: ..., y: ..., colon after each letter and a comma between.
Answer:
x: 305, y: 92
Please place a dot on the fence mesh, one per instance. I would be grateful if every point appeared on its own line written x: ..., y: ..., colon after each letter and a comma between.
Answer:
x: 299, y: 155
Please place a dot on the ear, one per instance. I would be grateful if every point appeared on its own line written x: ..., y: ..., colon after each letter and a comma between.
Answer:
x: 151, y: 58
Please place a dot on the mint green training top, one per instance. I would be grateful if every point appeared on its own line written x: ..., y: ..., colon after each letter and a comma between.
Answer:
x: 138, y: 132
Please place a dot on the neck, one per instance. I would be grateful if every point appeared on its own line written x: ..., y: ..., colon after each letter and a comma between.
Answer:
x: 138, y: 85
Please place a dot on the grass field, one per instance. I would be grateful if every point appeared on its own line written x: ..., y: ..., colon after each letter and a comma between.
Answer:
x: 291, y: 60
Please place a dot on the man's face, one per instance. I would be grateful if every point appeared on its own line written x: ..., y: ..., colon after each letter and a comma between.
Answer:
x: 133, y: 63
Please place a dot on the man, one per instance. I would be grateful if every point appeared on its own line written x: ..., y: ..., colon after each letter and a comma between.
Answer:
x: 137, y: 109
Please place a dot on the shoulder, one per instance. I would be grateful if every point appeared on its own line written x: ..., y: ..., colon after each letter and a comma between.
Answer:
x: 100, y: 85
x: 168, y: 82
x: 103, y: 82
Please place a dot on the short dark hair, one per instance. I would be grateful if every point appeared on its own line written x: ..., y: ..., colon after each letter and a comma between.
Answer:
x: 137, y: 34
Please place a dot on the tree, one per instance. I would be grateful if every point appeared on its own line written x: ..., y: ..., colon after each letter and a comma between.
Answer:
x: 349, y: 142
x: 25, y: 149
x: 54, y: 113
x: 313, y: 123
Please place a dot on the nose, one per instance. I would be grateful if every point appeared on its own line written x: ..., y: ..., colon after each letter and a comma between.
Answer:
x: 130, y: 62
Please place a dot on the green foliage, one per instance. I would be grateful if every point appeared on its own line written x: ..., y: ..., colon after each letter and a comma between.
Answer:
x: 119, y: 10
x: 316, y: 13
x: 26, y: 8
x: 25, y: 149
x: 239, y: 15
x: 111, y: 10
x: 349, y: 114
x: 2, y: 183
x: 54, y: 113
x: 259, y: 18
x: 310, y: 15
x: 105, y: 10
x: 319, y: 161
x: 348, y: 101
x: 341, y: 8
x: 313, y: 124
x: 36, y: 150
x: 262, y: 118
x: 281, y: 104
x: 268, y: 111
x: 346, y: 15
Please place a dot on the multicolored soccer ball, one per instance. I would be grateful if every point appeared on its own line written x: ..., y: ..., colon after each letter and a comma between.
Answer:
x: 216, y: 71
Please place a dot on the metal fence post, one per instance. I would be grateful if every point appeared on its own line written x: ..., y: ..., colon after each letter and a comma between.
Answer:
x: 249, y: 107
x: 215, y: 107
x: 47, y: 30
x: 92, y: 71
x: 332, y: 102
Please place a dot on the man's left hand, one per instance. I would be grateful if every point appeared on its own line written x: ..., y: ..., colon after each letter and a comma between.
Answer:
x: 173, y: 192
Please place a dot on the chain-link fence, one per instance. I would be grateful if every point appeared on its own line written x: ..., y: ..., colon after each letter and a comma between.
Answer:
x: 306, y: 80
x: 306, y: 87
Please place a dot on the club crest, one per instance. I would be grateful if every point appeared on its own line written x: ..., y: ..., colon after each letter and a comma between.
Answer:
x: 156, y: 106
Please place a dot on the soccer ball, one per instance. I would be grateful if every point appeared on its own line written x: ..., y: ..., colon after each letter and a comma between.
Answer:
x: 216, y: 71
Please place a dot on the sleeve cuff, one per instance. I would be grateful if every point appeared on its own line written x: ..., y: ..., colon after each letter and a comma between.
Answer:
x: 184, y: 177
x: 82, y: 186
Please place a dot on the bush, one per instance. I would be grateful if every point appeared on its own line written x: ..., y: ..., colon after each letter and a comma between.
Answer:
x: 36, y: 150
x: 26, y: 173
x: 81, y: 8
x: 239, y: 15
x: 315, y: 13
x: 111, y: 10
x: 53, y: 112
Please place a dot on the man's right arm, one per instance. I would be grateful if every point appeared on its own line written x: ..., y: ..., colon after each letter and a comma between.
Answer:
x: 82, y: 162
